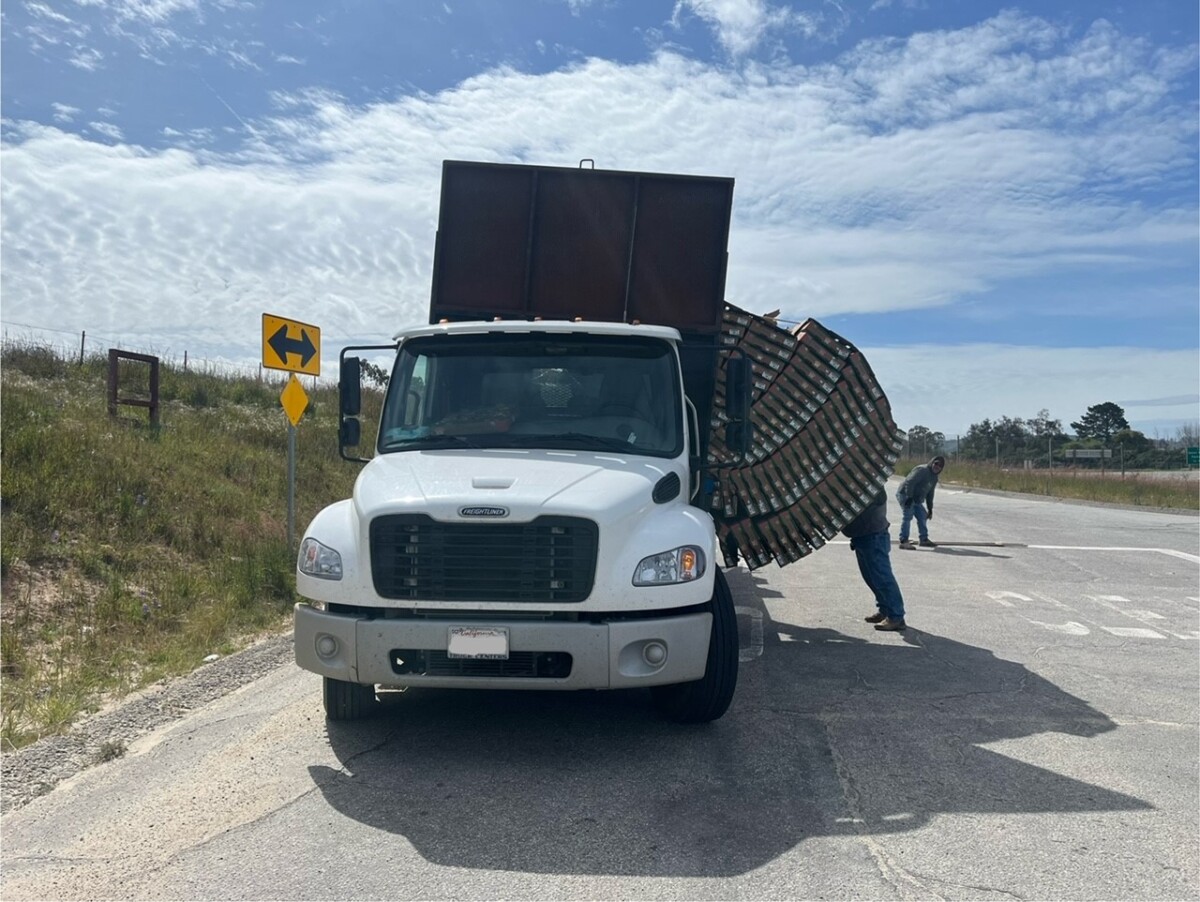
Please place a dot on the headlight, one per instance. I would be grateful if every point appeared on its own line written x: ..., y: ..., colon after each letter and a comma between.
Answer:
x: 318, y: 560
x: 680, y: 565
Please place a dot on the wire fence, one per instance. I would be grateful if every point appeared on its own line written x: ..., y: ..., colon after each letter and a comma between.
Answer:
x: 1057, y: 453
x: 79, y: 344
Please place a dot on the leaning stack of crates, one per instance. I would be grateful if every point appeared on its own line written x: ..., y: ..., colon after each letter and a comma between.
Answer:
x: 824, y: 441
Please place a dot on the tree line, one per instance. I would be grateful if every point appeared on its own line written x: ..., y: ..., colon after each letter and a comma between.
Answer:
x: 1042, y: 439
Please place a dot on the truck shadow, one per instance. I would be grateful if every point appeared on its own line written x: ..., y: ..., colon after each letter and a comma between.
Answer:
x: 829, y: 735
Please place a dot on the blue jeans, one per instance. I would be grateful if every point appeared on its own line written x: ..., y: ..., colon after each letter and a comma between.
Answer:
x: 875, y: 564
x: 907, y: 514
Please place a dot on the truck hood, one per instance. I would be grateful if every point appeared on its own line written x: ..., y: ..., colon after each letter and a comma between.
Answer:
x: 515, y: 485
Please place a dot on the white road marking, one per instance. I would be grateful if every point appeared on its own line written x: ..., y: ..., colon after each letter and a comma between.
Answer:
x: 1074, y: 628
x: 1071, y: 628
x: 1133, y: 632
x: 1107, y: 601
x: 1059, y: 604
x: 1194, y: 558
x: 1000, y: 597
x: 755, y: 648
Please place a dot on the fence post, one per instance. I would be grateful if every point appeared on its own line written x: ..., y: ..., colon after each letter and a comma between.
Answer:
x: 82, y: 339
x: 112, y: 382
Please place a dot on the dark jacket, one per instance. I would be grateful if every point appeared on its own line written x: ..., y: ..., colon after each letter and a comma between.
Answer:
x: 872, y: 520
x: 918, y: 486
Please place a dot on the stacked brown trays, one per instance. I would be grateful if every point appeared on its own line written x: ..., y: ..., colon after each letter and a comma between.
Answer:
x: 824, y: 441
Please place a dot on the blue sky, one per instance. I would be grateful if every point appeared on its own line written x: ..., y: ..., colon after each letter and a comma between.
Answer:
x: 997, y: 203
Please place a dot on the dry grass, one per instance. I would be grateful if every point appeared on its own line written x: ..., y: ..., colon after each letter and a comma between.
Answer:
x: 1174, y: 490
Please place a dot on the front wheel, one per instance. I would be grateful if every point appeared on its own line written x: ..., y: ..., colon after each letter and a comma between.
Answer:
x: 348, y: 701
x: 708, y: 697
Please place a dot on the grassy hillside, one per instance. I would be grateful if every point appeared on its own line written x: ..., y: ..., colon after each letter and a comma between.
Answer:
x: 129, y: 552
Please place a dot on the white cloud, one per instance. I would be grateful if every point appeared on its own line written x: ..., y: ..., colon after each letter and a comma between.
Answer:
x: 741, y: 26
x: 64, y: 113
x: 157, y: 29
x: 107, y: 129
x: 42, y: 11
x: 87, y: 58
x: 155, y: 11
x: 905, y: 174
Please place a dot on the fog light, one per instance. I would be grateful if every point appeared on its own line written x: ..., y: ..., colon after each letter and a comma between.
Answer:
x: 654, y: 653
x: 327, y: 646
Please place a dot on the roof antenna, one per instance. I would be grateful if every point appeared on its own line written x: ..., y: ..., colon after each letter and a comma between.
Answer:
x: 587, y: 160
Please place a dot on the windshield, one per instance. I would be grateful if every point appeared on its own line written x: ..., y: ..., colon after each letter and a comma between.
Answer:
x: 576, y: 392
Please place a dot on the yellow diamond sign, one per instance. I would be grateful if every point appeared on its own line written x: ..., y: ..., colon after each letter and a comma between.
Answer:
x: 294, y: 400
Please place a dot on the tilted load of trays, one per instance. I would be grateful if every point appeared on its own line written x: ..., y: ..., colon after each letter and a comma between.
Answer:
x: 824, y: 441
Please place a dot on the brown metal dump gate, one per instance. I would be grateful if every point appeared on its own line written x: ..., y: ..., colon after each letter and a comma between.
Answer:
x: 518, y: 242
x: 521, y: 241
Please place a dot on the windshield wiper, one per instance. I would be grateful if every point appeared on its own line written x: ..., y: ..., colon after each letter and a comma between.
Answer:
x: 430, y: 442
x: 571, y: 439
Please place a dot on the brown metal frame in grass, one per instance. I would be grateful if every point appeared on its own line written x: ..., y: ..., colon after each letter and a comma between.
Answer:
x: 114, y: 356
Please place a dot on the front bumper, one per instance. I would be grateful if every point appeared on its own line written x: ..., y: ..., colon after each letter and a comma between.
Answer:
x: 604, y: 655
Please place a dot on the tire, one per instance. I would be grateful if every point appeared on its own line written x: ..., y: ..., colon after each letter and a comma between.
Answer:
x: 707, y: 698
x: 348, y: 701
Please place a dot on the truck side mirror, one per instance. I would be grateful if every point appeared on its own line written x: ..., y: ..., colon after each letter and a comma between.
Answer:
x: 350, y: 372
x: 349, y: 432
x: 350, y: 387
x: 739, y: 376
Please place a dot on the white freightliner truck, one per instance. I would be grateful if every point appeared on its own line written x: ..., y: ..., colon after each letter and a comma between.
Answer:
x: 535, y: 512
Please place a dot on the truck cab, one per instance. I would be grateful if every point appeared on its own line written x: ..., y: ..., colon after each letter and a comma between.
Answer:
x: 533, y: 514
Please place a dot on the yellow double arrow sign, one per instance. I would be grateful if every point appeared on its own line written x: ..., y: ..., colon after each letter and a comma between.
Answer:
x: 291, y: 345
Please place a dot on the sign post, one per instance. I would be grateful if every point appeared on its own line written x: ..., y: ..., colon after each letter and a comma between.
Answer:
x: 296, y: 348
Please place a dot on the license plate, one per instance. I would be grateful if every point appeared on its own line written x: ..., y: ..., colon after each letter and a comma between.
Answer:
x: 489, y: 642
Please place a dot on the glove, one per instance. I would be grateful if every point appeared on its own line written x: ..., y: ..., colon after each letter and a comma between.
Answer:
x: 929, y: 513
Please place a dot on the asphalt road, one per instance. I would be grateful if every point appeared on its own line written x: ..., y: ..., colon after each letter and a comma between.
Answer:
x: 1034, y: 735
